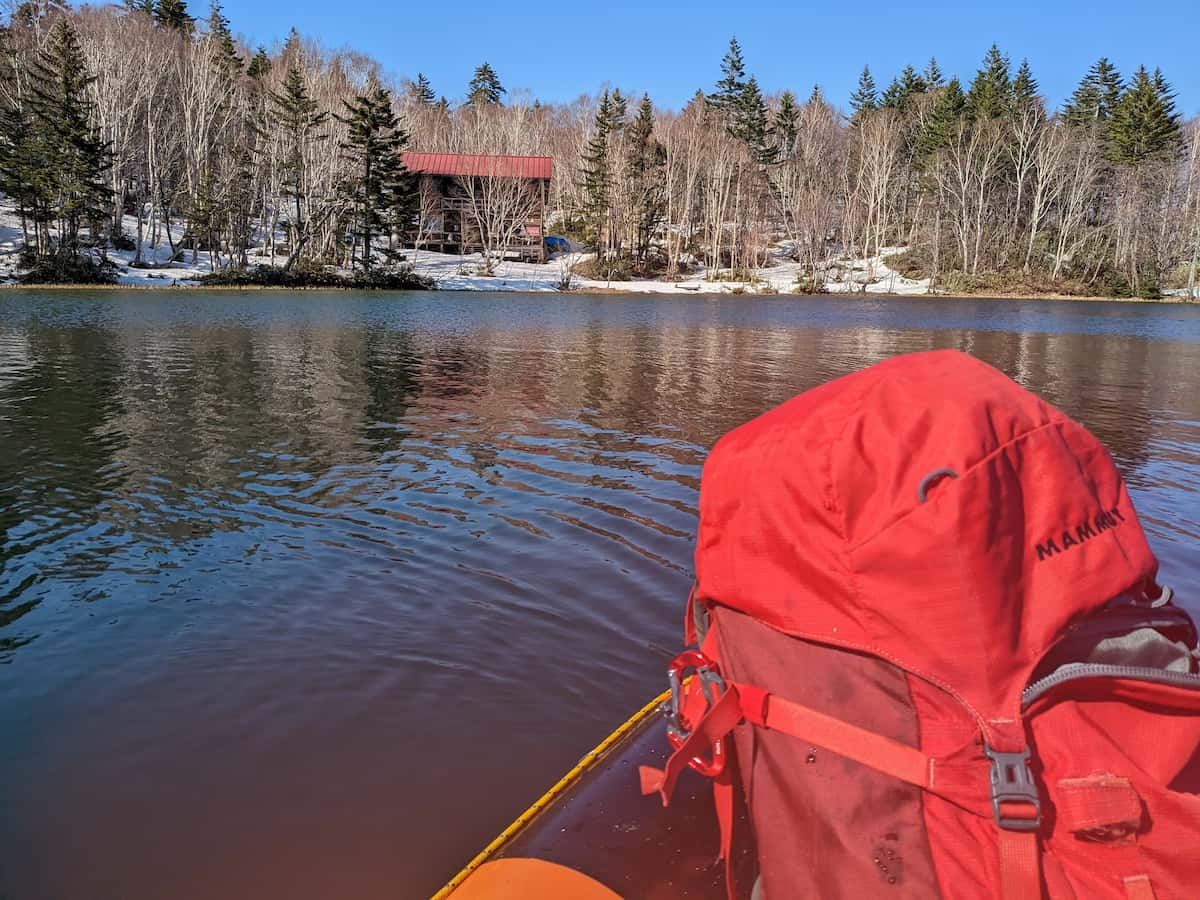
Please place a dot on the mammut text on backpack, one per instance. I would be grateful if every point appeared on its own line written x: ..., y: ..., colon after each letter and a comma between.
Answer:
x: 1083, y: 532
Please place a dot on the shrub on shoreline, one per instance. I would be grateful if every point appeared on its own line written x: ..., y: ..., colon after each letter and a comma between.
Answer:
x: 1107, y: 283
x: 68, y: 269
x: 398, y: 279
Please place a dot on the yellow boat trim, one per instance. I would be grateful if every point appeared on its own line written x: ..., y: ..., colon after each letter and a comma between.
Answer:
x: 543, y: 801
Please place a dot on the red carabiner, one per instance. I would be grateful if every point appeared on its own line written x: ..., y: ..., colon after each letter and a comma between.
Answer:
x: 712, y: 685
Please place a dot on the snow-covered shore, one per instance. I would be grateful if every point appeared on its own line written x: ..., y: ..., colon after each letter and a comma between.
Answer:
x: 156, y: 269
x: 464, y: 273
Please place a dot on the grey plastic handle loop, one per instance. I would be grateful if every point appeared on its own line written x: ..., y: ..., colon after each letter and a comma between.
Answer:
x: 928, y: 480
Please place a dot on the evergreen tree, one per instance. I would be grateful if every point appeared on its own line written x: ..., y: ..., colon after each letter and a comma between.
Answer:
x: 939, y: 127
x: 422, y: 91
x: 226, y: 53
x: 912, y: 83
x: 237, y: 168
x: 484, y: 88
x: 174, y: 14
x: 740, y: 103
x: 645, y: 165
x: 64, y: 158
x: 991, y: 93
x: 597, y: 175
x: 1024, y: 86
x: 892, y: 96
x: 1096, y: 97
x: 204, y: 218
x: 260, y: 64
x: 295, y: 114
x: 1108, y: 80
x: 24, y: 171
x: 933, y: 74
x: 142, y: 6
x: 1163, y: 87
x: 1085, y: 107
x: 1145, y: 125
x: 380, y: 187
x: 752, y: 121
x: 903, y: 88
x: 620, y: 109
x: 731, y: 89
x: 864, y: 99
x: 291, y: 49
x: 786, y: 126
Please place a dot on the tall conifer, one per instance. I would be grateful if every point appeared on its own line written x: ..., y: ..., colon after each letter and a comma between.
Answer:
x: 422, y: 91
x: 227, y: 58
x: 939, y: 127
x: 731, y: 89
x: 1096, y: 97
x: 645, y: 169
x: 1145, y: 125
x: 933, y: 74
x: 380, y: 187
x: 66, y: 156
x: 296, y: 117
x: 786, y: 126
x: 597, y: 175
x: 903, y: 88
x: 991, y: 93
x: 620, y: 109
x: 752, y: 121
x: 484, y: 88
x: 865, y: 98
x: 1024, y: 86
x: 260, y: 64
x: 174, y: 14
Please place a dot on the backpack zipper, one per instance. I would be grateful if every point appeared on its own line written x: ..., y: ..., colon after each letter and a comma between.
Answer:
x: 1076, y: 671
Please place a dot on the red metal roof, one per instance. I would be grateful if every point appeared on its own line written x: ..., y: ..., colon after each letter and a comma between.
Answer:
x: 480, y: 165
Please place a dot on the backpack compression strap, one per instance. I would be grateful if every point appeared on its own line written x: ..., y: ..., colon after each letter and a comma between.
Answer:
x: 954, y: 781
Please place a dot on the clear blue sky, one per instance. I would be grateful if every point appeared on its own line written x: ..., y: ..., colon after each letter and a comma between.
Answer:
x: 561, y: 50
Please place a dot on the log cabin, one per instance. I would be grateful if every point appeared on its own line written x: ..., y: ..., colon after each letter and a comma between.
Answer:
x: 472, y: 203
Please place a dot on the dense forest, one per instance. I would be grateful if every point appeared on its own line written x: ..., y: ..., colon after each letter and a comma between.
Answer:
x: 129, y: 126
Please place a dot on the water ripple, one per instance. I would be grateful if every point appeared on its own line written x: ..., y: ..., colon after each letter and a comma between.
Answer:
x: 328, y: 554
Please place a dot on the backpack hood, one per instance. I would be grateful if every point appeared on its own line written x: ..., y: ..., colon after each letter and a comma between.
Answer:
x: 812, y: 521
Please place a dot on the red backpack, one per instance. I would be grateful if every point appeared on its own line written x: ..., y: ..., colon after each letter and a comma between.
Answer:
x: 934, y: 650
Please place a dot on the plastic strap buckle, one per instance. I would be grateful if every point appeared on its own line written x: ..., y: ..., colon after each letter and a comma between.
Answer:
x: 1013, y: 785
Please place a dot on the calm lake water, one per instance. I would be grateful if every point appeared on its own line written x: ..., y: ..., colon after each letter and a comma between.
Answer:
x: 307, y: 596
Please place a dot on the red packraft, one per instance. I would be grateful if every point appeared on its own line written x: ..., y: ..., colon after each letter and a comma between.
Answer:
x: 931, y: 631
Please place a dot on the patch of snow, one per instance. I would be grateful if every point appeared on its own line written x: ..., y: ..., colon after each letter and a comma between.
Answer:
x: 1182, y: 293
x: 157, y: 270
x: 464, y: 273
x: 10, y: 241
